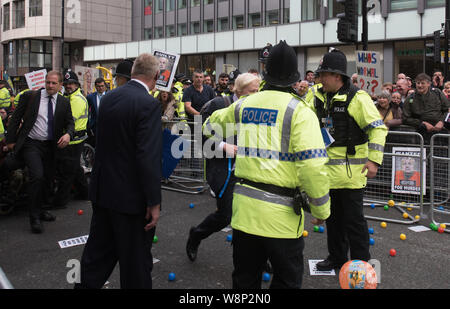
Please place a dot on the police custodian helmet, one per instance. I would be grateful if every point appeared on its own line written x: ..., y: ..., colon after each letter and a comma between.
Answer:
x: 334, y: 62
x: 281, y: 66
x: 124, y: 69
x: 70, y: 77
x: 264, y: 53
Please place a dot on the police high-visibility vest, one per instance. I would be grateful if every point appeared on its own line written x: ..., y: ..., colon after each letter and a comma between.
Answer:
x: 2, y: 131
x: 17, y: 98
x: 180, y: 109
x: 80, y: 113
x: 5, y: 98
x: 279, y: 143
x: 345, y: 169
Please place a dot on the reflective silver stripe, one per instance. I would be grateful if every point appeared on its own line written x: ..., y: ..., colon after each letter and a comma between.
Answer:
x: 351, y: 161
x: 374, y: 124
x: 81, y: 138
x: 319, y: 201
x: 287, y: 120
x: 263, y: 196
x: 376, y: 147
x: 237, y: 109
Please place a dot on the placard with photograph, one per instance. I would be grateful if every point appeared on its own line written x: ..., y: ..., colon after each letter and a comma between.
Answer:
x: 406, y: 176
x: 168, y: 63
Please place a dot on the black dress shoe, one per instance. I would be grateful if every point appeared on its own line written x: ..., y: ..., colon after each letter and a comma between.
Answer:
x: 36, y: 225
x: 327, y: 265
x: 46, y: 216
x: 192, y: 246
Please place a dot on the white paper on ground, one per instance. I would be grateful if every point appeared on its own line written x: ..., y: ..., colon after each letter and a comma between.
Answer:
x: 77, y: 241
x: 314, y: 272
x: 419, y: 228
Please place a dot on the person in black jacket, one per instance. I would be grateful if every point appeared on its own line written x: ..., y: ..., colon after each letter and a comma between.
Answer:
x: 41, y: 123
x: 219, y: 171
x: 125, y: 188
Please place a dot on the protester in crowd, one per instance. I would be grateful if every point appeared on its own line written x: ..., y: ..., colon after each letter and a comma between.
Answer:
x: 208, y: 81
x: 446, y: 90
x: 401, y: 76
x: 125, y: 188
x: 41, y: 124
x: 168, y: 108
x: 232, y: 78
x: 390, y: 113
x: 355, y: 79
x: 426, y: 109
x: 196, y: 95
x: 310, y: 78
x: 396, y: 98
x: 388, y: 86
x: 222, y: 84
x: 402, y: 87
x: 438, y: 80
x: 302, y: 88
x: 254, y: 72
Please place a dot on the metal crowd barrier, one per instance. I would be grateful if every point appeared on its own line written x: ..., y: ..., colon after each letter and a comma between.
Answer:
x: 379, y: 189
x: 4, y: 282
x: 440, y: 179
x: 188, y: 176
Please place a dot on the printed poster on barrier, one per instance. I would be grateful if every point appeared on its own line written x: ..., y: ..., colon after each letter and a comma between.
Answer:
x: 36, y: 79
x: 370, y: 71
x: 406, y: 176
x: 168, y: 63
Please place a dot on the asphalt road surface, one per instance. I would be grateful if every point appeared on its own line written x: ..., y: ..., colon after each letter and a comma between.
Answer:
x: 33, y: 261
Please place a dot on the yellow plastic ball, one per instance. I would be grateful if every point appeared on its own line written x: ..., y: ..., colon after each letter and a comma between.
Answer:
x: 402, y: 236
x: 305, y: 233
x: 417, y: 217
x: 391, y: 203
x: 442, y: 225
x: 383, y: 224
x: 405, y: 215
x: 409, y: 208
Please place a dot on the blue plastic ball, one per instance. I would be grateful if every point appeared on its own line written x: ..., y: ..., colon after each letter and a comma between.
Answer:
x: 266, y: 277
x: 191, y: 205
x: 229, y: 237
x: 371, y: 231
x: 372, y: 241
x: 321, y: 229
x: 171, y: 276
x: 372, y: 206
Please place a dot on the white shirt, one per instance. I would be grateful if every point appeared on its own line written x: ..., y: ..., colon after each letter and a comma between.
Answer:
x: 98, y: 99
x: 39, y: 130
x: 142, y: 83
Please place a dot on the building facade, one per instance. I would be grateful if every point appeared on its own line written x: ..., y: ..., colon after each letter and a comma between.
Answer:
x: 31, y: 32
x: 211, y: 34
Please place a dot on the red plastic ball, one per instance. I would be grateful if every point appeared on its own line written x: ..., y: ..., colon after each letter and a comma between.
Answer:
x: 440, y: 230
x: 80, y: 212
x: 392, y: 252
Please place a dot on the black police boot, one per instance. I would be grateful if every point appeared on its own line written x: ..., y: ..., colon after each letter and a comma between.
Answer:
x: 192, y: 246
x: 46, y: 216
x: 36, y: 225
x: 327, y: 265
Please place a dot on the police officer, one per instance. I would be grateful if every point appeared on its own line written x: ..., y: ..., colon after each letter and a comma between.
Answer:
x: 68, y: 159
x: 177, y: 90
x: 263, y: 56
x: 123, y: 72
x: 273, y: 170
x: 232, y: 78
x: 5, y: 96
x: 350, y: 117
x: 17, y: 98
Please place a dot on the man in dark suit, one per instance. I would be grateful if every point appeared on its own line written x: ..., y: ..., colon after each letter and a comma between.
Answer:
x: 47, y: 125
x: 94, y: 104
x: 125, y: 187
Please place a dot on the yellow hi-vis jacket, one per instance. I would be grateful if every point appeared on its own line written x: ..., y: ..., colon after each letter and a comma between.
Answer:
x: 17, y: 98
x: 343, y: 171
x: 80, y: 110
x: 181, y: 111
x: 2, y: 131
x: 5, y: 98
x: 279, y: 143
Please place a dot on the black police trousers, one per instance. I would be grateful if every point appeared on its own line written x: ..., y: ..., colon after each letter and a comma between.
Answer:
x: 250, y: 255
x: 347, y: 227
x: 219, y: 219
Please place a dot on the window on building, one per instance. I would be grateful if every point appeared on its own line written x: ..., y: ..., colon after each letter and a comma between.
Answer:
x: 434, y: 3
x: 170, y: 31
x: 158, y: 6
x: 148, y: 7
x: 170, y: 5
x: 286, y: 14
x: 195, y: 27
x: 66, y: 63
x: 182, y: 4
x: 148, y: 35
x: 195, y: 3
x: 222, y: 24
x: 208, y: 26
x: 159, y: 33
x: 222, y: 0
x: 23, y: 54
x: 310, y: 9
x: 238, y: 22
x: 182, y: 29
x: 208, y: 2
x: 272, y: 17
x: 6, y: 17
x: 40, y: 55
x: 335, y: 8
x: 19, y: 14
x: 254, y: 20
x: 403, y: 4
x: 35, y: 8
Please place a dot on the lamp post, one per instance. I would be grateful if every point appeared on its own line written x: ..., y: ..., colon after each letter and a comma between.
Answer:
x: 62, y: 34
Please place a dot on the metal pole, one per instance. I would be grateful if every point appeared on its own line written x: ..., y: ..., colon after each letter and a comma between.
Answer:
x: 365, y: 27
x: 62, y: 34
x: 446, y: 41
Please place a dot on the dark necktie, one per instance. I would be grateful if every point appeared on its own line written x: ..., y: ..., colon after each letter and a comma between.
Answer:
x: 50, y: 119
